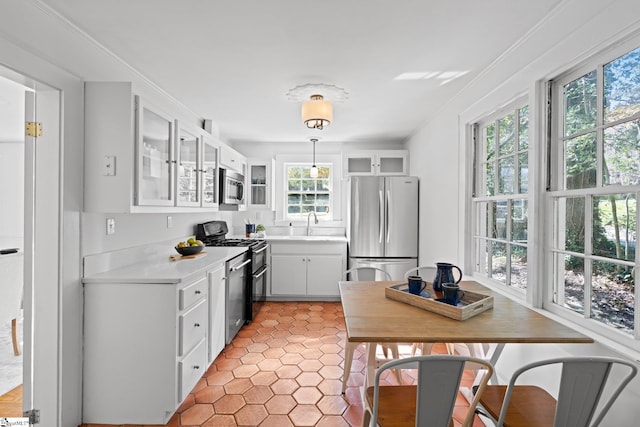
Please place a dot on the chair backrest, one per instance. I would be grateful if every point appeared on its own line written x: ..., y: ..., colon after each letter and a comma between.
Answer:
x: 11, y: 278
x: 427, y: 273
x: 438, y: 381
x: 581, y: 384
x: 366, y: 273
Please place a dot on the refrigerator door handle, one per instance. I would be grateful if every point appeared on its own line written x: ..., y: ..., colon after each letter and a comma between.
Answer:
x: 388, y: 214
x: 381, y: 217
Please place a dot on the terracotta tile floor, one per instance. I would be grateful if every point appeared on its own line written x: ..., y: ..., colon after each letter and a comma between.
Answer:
x: 285, y: 369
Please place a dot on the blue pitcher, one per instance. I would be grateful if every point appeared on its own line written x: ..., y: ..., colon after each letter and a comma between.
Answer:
x: 444, y: 274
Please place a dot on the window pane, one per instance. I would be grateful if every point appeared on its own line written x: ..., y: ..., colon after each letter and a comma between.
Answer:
x: 580, y: 104
x: 613, y: 300
x: 523, y: 173
x: 322, y: 200
x: 573, y: 292
x: 308, y: 199
x: 499, y: 262
x: 490, y: 141
x: 523, y: 130
x: 507, y: 177
x: 295, y: 185
x: 622, y: 154
x: 506, y: 136
x: 574, y: 224
x: 499, y: 220
x: 308, y: 185
x: 580, y: 162
x: 322, y: 184
x: 306, y: 209
x: 293, y: 209
x: 295, y: 172
x: 323, y: 172
x: 518, y: 267
x: 489, y: 179
x: 614, y: 224
x: 622, y: 87
x: 519, y: 216
x: 293, y: 199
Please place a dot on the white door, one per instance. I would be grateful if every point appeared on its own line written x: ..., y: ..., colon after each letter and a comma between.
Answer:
x: 42, y: 255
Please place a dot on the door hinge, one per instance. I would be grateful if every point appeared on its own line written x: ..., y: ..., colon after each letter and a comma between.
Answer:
x: 33, y: 415
x: 34, y: 129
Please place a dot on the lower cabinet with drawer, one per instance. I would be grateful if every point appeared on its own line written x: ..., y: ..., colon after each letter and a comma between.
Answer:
x: 145, y: 348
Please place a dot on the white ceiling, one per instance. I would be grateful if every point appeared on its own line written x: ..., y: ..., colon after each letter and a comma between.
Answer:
x: 234, y: 61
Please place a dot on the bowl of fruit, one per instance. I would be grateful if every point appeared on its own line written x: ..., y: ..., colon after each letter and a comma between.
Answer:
x: 190, y: 247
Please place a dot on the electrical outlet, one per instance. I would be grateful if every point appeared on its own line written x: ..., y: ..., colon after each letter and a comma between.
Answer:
x: 111, y: 226
x: 169, y: 221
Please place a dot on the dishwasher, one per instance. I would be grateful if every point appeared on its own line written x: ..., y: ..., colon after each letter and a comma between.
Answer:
x: 236, y: 271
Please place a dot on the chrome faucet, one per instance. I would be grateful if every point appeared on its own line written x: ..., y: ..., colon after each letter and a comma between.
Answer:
x: 315, y: 221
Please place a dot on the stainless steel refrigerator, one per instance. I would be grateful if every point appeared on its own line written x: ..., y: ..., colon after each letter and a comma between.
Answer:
x: 383, y: 223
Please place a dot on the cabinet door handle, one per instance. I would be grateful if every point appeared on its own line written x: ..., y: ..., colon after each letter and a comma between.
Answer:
x: 197, y: 325
x: 196, y: 367
x: 197, y: 292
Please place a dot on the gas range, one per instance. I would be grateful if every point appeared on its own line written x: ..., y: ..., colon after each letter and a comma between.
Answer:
x: 212, y: 233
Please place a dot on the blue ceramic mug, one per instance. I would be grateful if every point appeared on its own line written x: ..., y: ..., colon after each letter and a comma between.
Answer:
x: 416, y: 284
x: 452, y: 293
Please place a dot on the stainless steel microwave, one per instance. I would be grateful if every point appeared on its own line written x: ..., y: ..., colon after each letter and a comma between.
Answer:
x: 231, y: 187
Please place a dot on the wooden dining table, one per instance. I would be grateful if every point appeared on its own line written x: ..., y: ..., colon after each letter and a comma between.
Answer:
x: 371, y: 317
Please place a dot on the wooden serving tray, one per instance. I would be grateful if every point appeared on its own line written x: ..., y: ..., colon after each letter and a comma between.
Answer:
x: 470, y: 305
x: 178, y: 257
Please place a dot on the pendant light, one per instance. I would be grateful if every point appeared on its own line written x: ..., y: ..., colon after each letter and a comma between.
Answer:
x: 313, y: 173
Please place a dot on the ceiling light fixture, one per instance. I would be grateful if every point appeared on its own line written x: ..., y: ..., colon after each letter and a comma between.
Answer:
x: 317, y: 113
x: 313, y: 173
x: 317, y: 102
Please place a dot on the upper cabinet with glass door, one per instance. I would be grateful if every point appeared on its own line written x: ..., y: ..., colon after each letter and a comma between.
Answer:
x: 261, y: 189
x: 385, y: 162
x: 188, y: 173
x: 155, y: 158
x: 139, y: 158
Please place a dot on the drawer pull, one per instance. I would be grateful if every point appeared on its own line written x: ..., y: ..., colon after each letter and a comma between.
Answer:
x: 197, y: 292
x: 197, y: 325
x: 196, y: 367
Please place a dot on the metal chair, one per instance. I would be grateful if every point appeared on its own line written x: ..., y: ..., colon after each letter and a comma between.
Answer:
x: 582, y: 381
x: 371, y: 274
x: 429, y: 403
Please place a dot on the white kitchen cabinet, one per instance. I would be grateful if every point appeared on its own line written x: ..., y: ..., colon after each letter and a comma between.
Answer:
x: 385, y: 162
x: 196, y: 172
x: 145, y: 348
x: 231, y: 159
x: 307, y: 269
x: 217, y: 311
x: 260, y: 181
x: 139, y: 158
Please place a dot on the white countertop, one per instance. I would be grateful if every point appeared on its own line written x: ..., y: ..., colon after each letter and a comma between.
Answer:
x: 306, y: 238
x: 160, y: 269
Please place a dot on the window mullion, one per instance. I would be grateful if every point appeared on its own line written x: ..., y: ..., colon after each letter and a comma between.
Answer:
x: 588, y: 250
x: 599, y: 124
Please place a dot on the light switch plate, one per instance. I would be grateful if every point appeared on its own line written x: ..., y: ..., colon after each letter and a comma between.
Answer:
x: 111, y: 226
x: 169, y: 221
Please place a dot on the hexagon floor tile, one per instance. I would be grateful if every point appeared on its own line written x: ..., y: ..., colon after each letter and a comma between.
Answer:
x: 284, y: 369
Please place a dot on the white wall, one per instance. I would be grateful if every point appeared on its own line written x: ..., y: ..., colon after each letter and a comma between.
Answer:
x: 12, y: 194
x: 573, y: 31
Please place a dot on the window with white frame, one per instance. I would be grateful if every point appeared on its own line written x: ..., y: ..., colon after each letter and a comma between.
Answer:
x: 500, y: 202
x: 595, y: 183
x: 306, y: 194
